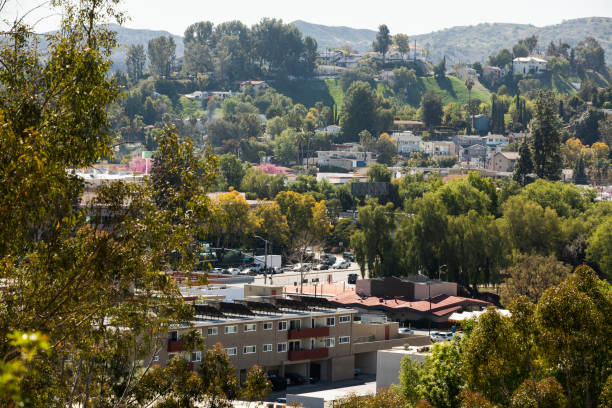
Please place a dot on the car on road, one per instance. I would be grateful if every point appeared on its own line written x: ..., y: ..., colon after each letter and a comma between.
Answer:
x: 234, y: 271
x: 301, y: 267
x: 295, y: 379
x: 349, y: 256
x: 405, y: 330
x: 352, y: 278
x: 281, y: 400
x: 341, y: 265
x: 328, y: 259
x: 321, y: 267
x: 437, y: 337
x: 278, y: 383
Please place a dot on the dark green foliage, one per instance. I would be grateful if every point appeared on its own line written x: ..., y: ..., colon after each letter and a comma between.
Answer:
x: 545, y: 129
x: 497, y: 116
x: 524, y: 165
x: 580, y: 176
x: 431, y: 108
x: 161, y: 51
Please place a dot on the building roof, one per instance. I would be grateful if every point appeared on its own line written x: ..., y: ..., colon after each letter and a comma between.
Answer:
x: 510, y: 155
x: 440, y: 305
x: 529, y: 59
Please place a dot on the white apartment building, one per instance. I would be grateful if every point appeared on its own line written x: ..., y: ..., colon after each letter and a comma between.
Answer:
x: 528, y: 65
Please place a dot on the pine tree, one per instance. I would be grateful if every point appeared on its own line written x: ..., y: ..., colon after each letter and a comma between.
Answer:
x: 580, y: 176
x: 524, y: 164
x: 545, y: 128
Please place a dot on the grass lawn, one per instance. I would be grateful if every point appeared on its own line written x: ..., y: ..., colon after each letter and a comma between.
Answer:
x: 309, y: 91
x: 452, y: 89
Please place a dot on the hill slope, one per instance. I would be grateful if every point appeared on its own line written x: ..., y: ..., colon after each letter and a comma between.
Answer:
x: 472, y: 43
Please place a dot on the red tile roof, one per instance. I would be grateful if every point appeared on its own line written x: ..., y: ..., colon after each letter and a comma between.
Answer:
x: 440, y: 305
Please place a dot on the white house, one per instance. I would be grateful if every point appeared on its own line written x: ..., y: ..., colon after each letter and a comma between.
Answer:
x: 331, y: 129
x: 256, y: 85
x: 346, y: 160
x: 197, y: 95
x: 439, y: 148
x: 407, y: 142
x: 528, y: 65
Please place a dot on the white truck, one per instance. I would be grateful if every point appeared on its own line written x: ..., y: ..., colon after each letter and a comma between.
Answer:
x: 273, y: 261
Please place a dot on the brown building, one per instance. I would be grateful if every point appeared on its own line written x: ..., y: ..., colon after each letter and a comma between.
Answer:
x: 503, y: 161
x: 310, y: 338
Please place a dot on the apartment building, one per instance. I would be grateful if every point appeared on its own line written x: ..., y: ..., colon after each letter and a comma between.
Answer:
x: 309, y: 337
x: 345, y: 159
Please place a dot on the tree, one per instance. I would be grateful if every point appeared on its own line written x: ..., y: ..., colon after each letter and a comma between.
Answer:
x: 545, y: 128
x: 386, y: 149
x: 579, y: 176
x: 545, y: 393
x: 530, y: 276
x: 256, y: 386
x: 161, y: 55
x: 469, y: 84
x: 383, y: 41
x: 590, y: 55
x: 440, y: 69
x: 232, y: 169
x: 219, y: 378
x: 431, y: 109
x: 403, y: 44
x: 599, y: 247
x: 74, y: 270
x: 497, y: 115
x: 285, y: 147
x: 272, y: 224
x: 573, y: 324
x: 379, y: 173
x: 358, y: 111
x: 477, y: 66
x: 409, y: 378
x: 441, y: 377
x: 502, y: 59
x: 136, y: 59
x: 530, y: 228
x: 524, y: 164
x: 373, y: 240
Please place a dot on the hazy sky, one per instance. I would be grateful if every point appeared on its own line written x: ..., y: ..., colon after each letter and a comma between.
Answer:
x: 407, y: 16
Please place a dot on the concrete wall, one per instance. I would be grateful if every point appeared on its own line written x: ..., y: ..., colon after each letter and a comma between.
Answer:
x: 342, y: 368
x: 388, y: 363
x: 366, y: 362
x: 421, y: 290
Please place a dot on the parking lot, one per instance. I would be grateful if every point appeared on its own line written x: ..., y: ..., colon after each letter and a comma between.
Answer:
x: 293, y: 278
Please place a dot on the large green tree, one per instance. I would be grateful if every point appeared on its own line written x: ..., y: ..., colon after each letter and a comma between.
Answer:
x: 87, y: 274
x: 431, y: 109
x: 383, y: 41
x: 136, y: 60
x: 161, y: 51
x: 358, y: 111
x: 545, y: 129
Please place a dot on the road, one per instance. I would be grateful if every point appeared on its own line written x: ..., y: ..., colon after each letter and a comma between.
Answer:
x: 293, y: 278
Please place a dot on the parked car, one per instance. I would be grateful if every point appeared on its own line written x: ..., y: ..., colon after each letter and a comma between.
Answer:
x: 328, y: 259
x: 281, y: 400
x: 342, y: 265
x: 352, y: 278
x: 321, y: 267
x: 295, y: 379
x: 234, y: 271
x: 301, y: 267
x: 349, y: 256
x: 440, y: 336
x: 406, y: 330
x: 278, y: 383
x: 309, y: 254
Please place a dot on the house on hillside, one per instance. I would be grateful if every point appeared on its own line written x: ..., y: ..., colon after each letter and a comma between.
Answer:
x: 439, y: 148
x: 331, y: 129
x: 482, y: 123
x: 492, y: 74
x: 406, y: 142
x: 344, y: 159
x: 503, y: 161
x: 476, y: 153
x: 255, y: 85
x: 414, y: 126
x: 528, y: 65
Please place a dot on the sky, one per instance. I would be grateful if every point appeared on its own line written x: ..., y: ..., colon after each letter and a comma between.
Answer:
x: 405, y: 16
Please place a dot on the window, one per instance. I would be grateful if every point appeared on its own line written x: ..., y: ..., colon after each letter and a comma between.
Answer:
x: 231, y: 329
x: 281, y: 347
x: 156, y: 358
x: 249, y: 349
x: 212, y: 331
x: 231, y: 351
x: 344, y: 340
x: 196, y: 356
x: 173, y: 336
x: 331, y: 321
x: 282, y: 326
x: 250, y: 327
x: 295, y: 324
x: 330, y: 342
x: 268, y: 326
x: 345, y: 319
x: 267, y: 347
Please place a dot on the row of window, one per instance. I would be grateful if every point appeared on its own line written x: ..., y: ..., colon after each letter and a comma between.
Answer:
x: 282, y: 347
x: 196, y: 356
x: 282, y: 326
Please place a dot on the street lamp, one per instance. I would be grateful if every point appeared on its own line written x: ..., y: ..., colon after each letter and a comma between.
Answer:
x: 265, y: 257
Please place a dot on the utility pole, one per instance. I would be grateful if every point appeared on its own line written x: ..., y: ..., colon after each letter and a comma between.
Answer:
x: 429, y: 288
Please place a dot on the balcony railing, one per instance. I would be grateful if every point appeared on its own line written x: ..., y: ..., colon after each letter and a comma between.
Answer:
x: 307, y: 333
x: 295, y: 355
x: 176, y: 345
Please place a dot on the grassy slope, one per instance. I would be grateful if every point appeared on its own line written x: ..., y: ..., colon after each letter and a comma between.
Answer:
x: 452, y: 89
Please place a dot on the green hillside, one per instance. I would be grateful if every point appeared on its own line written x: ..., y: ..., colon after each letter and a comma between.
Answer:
x: 453, y: 89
